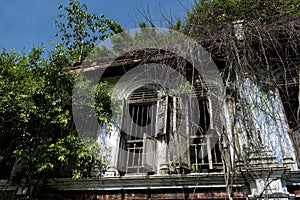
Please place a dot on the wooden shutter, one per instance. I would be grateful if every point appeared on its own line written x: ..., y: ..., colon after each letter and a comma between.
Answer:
x: 122, y: 156
x: 161, y: 117
x: 126, y: 121
x: 122, y: 152
x: 148, y: 160
x: 181, y: 131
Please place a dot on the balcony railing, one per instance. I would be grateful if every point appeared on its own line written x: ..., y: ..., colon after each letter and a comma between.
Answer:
x: 204, y: 155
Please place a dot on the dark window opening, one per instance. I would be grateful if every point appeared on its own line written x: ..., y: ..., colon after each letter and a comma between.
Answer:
x: 199, y: 116
x: 182, y: 121
x: 141, y: 115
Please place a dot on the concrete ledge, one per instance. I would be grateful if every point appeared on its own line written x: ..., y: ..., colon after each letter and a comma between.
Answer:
x: 140, y: 182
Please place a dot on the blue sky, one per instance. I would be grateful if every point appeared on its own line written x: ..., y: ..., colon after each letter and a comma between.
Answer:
x: 27, y: 22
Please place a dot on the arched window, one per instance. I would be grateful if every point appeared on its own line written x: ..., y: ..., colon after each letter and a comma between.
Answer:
x: 138, y: 130
x: 152, y: 114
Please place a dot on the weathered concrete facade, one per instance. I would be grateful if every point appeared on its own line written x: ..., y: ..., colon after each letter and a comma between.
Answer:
x: 260, y: 166
x: 163, y: 147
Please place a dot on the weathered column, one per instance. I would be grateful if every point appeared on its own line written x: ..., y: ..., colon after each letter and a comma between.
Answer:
x: 266, y: 177
x: 161, y: 155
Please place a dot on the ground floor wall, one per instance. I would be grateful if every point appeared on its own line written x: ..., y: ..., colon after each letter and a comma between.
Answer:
x: 151, y: 194
x: 145, y: 187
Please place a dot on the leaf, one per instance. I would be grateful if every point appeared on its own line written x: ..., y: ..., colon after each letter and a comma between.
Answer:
x: 62, y: 158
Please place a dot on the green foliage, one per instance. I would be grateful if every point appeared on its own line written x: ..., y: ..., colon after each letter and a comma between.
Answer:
x: 143, y: 25
x: 224, y: 11
x: 100, y: 54
x: 36, y: 110
x: 248, y: 36
x: 36, y: 122
x: 185, y: 88
x: 103, y: 102
x: 129, y: 41
x: 79, y: 30
x: 177, y: 26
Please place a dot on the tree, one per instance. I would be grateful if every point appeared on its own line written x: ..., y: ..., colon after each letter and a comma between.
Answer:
x: 250, y: 39
x: 37, y: 133
x: 82, y: 30
x: 253, y: 42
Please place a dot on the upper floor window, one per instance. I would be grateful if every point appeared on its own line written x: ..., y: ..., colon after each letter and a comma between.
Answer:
x: 161, y: 128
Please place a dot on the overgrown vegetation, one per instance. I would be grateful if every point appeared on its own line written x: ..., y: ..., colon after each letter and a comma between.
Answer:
x: 253, y: 42
x: 248, y: 39
x: 37, y: 134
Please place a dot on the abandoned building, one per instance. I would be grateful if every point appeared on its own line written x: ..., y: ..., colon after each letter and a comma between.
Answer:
x: 165, y: 146
x: 175, y: 139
